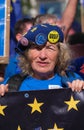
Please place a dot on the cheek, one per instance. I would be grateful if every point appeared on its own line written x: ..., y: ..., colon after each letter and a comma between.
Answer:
x: 54, y: 56
x: 55, y: 59
x: 32, y: 55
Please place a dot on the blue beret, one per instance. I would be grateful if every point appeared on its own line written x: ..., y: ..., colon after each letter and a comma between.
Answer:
x: 41, y: 33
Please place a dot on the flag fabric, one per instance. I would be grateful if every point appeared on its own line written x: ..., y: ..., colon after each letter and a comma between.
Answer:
x: 15, y: 15
x: 16, y: 11
x: 58, y: 109
x: 2, y: 26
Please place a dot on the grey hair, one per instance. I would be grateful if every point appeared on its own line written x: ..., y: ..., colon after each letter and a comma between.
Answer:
x: 45, y: 18
x: 64, y: 58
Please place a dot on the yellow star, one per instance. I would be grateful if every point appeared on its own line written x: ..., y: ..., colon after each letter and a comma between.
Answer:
x: 56, y: 128
x: 36, y: 106
x: 1, y: 109
x: 19, y: 128
x: 72, y: 103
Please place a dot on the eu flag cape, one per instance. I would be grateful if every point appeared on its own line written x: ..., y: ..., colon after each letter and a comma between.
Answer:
x: 59, y: 109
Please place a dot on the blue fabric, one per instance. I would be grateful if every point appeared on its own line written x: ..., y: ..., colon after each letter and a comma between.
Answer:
x: 15, y: 15
x: 31, y: 83
x: 41, y: 33
x: 78, y: 66
x: 12, y: 68
x: 44, y: 29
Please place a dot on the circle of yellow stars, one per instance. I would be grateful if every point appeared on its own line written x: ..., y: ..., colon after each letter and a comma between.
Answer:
x: 72, y: 104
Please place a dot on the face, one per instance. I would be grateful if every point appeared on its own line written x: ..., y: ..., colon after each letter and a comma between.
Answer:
x: 43, y: 60
x: 28, y: 26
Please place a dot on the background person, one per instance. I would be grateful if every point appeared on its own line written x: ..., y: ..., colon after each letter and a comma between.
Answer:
x: 66, y: 20
x: 21, y: 27
x: 77, y: 66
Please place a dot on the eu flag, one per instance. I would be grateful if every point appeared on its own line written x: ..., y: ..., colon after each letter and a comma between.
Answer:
x: 15, y: 15
x: 57, y: 109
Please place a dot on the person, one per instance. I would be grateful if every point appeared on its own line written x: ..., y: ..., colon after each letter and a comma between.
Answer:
x: 66, y: 20
x: 45, y: 61
x: 21, y: 27
x: 77, y: 65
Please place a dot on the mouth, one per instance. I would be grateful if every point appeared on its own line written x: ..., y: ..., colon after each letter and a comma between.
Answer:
x: 43, y: 64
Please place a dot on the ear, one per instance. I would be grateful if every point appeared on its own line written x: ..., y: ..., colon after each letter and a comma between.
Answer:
x: 18, y: 36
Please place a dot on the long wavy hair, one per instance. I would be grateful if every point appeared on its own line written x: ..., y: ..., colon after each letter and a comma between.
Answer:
x: 64, y: 60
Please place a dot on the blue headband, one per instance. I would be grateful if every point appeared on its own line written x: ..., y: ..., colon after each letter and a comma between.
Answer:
x: 40, y: 34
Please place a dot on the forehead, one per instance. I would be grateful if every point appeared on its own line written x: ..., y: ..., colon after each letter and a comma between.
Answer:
x: 47, y: 44
x: 50, y: 44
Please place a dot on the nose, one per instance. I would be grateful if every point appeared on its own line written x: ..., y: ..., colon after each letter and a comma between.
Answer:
x: 42, y: 54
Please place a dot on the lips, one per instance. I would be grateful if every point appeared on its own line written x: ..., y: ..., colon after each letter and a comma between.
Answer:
x: 42, y: 63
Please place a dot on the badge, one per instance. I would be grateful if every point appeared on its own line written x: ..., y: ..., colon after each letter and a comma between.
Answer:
x: 24, y: 41
x: 53, y: 36
x: 40, y: 39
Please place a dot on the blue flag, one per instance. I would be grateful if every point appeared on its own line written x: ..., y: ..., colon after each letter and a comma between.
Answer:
x: 56, y: 109
x: 15, y: 15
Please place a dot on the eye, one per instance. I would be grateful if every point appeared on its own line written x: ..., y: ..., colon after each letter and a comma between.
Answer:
x: 51, y: 47
x: 34, y: 46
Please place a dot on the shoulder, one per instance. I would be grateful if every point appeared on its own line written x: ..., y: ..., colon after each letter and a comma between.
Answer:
x: 28, y: 80
x: 15, y: 82
x: 74, y: 75
x: 25, y: 84
x: 69, y: 78
x: 78, y: 61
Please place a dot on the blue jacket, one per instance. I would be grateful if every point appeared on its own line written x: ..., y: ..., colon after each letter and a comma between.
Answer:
x: 78, y: 66
x: 12, y: 68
